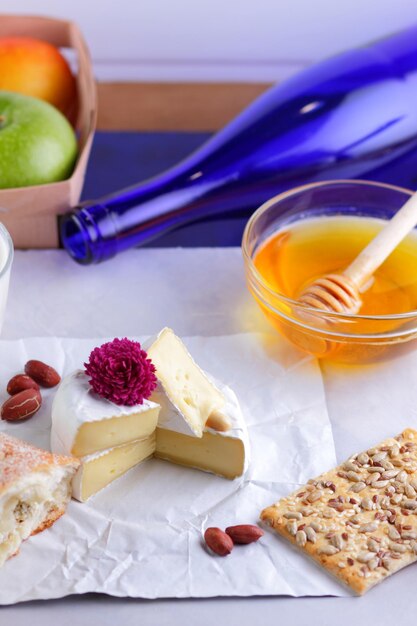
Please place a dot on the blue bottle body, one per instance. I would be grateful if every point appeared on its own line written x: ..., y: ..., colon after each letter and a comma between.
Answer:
x: 352, y: 116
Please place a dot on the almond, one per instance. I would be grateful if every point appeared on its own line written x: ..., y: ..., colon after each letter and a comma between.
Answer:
x: 218, y: 421
x: 244, y: 533
x: 43, y: 374
x: 21, y: 406
x: 218, y: 541
x: 20, y: 382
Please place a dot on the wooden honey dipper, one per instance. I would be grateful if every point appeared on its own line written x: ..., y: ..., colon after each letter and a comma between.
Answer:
x: 340, y: 293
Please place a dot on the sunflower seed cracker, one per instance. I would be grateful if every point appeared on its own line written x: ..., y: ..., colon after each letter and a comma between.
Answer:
x: 362, y: 538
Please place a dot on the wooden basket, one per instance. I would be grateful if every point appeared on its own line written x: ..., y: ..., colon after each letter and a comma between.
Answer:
x: 30, y: 213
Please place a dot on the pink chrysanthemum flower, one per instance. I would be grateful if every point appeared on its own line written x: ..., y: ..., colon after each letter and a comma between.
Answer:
x: 121, y: 372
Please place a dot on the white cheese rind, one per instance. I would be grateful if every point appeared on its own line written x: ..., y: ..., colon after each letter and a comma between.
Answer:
x: 170, y: 416
x: 186, y: 394
x: 233, y: 411
x: 75, y: 403
x: 238, y: 429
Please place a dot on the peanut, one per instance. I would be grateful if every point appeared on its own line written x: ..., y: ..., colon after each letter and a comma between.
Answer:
x: 20, y: 382
x: 218, y: 541
x: 43, y: 374
x: 22, y: 405
x: 244, y: 533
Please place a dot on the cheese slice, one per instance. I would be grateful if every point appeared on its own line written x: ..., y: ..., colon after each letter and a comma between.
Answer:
x: 84, y: 423
x: 223, y: 453
x: 100, y: 469
x: 186, y: 395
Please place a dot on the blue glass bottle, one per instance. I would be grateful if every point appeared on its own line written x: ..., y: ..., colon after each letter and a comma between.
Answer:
x: 352, y: 116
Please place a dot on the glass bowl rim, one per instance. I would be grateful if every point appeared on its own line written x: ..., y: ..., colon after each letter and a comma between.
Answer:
x: 292, y: 192
x: 5, y: 235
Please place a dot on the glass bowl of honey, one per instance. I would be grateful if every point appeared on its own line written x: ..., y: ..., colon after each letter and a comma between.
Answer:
x: 318, y: 229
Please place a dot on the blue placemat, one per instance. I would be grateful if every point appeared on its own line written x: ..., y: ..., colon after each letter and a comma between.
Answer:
x: 120, y: 159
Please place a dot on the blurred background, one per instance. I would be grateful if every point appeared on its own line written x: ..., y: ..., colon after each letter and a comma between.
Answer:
x: 170, y: 73
x: 220, y: 40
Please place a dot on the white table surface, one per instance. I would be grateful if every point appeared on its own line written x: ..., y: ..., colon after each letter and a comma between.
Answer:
x: 136, y: 295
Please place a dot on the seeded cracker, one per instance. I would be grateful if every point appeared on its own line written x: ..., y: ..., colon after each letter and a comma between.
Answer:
x: 359, y: 521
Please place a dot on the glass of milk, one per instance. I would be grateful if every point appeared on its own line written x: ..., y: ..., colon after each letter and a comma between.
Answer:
x: 6, y: 258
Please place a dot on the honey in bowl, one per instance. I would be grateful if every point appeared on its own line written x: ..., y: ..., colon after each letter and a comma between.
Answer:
x: 303, y: 251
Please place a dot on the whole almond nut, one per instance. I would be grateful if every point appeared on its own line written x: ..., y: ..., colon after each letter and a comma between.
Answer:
x: 218, y: 541
x: 244, y: 533
x: 218, y: 421
x: 21, y: 406
x: 43, y: 374
x: 20, y: 382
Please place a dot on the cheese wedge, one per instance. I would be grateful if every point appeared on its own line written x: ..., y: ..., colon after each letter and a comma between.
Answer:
x: 186, y: 395
x: 223, y: 453
x: 83, y: 423
x: 100, y: 469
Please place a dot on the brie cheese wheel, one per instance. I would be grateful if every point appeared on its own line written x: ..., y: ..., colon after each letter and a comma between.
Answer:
x: 185, y: 393
x: 226, y: 454
x: 84, y: 423
x: 100, y: 469
x: 110, y: 439
x: 35, y: 488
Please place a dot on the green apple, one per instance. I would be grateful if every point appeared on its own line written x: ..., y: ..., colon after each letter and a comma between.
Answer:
x: 37, y: 143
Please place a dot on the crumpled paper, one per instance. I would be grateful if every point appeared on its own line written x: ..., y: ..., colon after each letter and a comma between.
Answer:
x: 142, y: 535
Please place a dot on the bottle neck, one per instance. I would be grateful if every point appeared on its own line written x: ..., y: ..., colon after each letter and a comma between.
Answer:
x: 82, y: 235
x: 97, y: 231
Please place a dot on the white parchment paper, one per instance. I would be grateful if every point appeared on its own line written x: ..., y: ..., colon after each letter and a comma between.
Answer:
x: 142, y: 536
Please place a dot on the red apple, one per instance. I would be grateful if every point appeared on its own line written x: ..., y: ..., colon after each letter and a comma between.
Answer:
x: 36, y: 68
